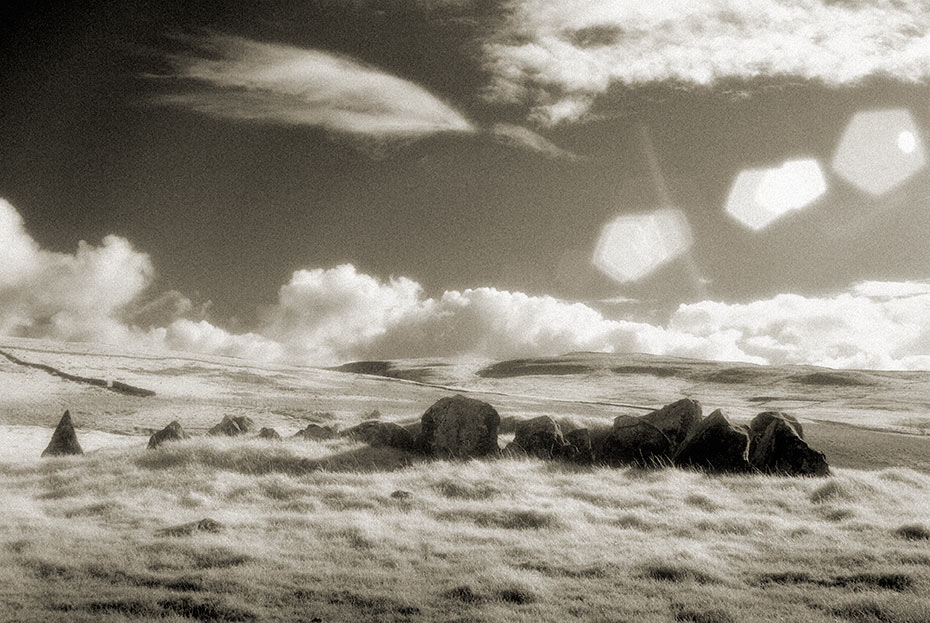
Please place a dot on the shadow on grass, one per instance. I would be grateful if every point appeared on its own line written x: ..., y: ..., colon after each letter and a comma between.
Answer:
x: 260, y: 460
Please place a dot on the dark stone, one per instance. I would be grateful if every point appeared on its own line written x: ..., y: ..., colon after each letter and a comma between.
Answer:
x: 716, y: 445
x: 761, y: 422
x: 382, y: 434
x: 541, y: 437
x: 172, y: 432
x: 781, y: 450
x: 459, y: 427
x: 64, y: 440
x: 315, y: 432
x: 677, y: 420
x: 232, y: 426
x: 580, y: 448
x: 269, y: 433
x: 634, y: 441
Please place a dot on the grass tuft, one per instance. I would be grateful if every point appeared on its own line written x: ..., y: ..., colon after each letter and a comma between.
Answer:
x: 508, y: 519
x: 516, y: 595
x: 669, y: 572
x: 463, y: 593
x: 829, y: 491
x: 713, y: 615
x: 913, y: 532
x: 460, y: 490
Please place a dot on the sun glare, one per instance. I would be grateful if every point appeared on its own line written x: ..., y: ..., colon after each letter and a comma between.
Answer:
x: 879, y: 151
x: 760, y: 196
x: 632, y: 246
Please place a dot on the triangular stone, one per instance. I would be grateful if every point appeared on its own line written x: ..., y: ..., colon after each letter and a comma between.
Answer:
x: 64, y: 440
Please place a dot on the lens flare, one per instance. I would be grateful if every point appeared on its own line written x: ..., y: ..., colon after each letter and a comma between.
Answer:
x: 879, y: 151
x: 632, y: 246
x: 760, y: 196
x: 907, y: 142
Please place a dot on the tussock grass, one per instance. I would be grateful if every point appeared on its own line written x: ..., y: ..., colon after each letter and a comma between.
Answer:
x: 913, y: 532
x: 317, y: 530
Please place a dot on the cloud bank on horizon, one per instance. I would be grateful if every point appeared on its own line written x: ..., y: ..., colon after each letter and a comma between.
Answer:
x: 328, y: 316
x: 559, y: 56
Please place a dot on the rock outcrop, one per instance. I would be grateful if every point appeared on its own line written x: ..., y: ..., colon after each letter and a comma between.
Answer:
x: 716, y: 445
x: 232, y: 426
x: 781, y: 449
x: 64, y: 440
x: 382, y: 434
x: 172, y: 432
x: 635, y: 441
x: 459, y: 427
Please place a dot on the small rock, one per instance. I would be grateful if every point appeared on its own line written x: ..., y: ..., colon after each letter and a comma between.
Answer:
x: 64, y: 440
x: 172, y: 432
x: 232, y: 426
x: 269, y: 433
x: 315, y: 432
x: 382, y: 434
x: 716, y: 445
x: 460, y: 427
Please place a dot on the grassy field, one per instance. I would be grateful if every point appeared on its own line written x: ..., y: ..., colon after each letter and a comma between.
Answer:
x: 338, y: 532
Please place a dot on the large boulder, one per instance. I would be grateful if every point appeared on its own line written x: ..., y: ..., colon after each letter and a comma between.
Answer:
x: 579, y: 447
x: 761, y: 422
x: 635, y: 441
x: 172, y: 432
x: 459, y: 427
x: 232, y: 426
x: 781, y: 450
x: 64, y: 440
x: 541, y: 437
x: 315, y: 432
x: 677, y: 420
x: 382, y: 434
x: 716, y: 445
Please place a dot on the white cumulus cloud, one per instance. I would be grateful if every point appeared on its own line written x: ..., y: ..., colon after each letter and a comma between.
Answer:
x: 333, y: 315
x: 66, y: 296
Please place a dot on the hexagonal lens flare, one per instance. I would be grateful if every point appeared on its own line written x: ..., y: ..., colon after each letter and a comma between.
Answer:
x: 879, y: 150
x: 633, y: 245
x: 760, y: 196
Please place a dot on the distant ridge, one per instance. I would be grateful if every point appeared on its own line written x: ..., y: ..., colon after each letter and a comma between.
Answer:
x: 115, y: 386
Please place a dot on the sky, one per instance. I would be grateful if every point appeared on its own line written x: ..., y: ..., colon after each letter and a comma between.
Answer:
x: 327, y: 181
